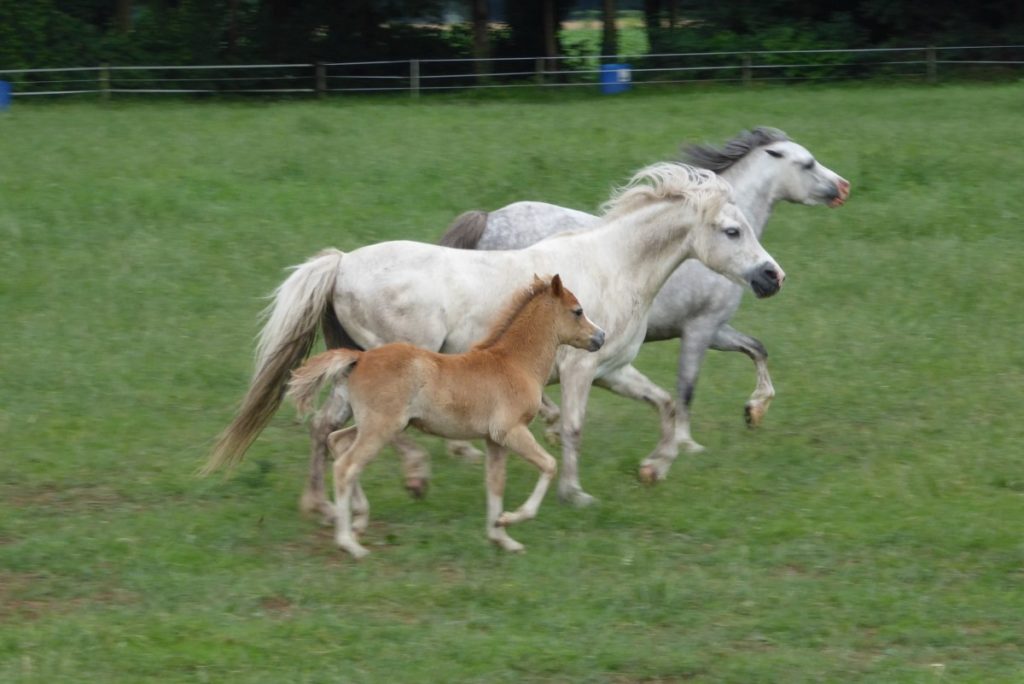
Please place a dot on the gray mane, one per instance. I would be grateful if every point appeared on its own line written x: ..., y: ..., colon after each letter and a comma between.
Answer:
x: 718, y: 159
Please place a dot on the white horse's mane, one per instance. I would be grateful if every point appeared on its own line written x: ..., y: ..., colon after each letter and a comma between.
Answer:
x: 702, y: 189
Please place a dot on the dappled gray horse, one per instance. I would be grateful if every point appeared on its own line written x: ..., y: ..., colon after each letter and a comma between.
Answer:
x: 764, y: 166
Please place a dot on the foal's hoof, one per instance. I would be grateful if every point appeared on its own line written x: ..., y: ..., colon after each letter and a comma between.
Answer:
x: 553, y: 436
x: 416, y: 486
x: 754, y: 414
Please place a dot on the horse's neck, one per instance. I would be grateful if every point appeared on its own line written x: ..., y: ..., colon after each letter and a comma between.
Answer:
x: 529, y: 343
x: 648, y: 244
x: 755, y: 191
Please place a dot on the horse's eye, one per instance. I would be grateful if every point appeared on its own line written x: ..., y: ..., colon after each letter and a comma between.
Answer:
x: 775, y: 153
x: 732, y: 233
x: 808, y: 165
x: 577, y: 312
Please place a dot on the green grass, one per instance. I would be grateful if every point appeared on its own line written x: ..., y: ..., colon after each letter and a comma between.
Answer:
x: 869, y: 532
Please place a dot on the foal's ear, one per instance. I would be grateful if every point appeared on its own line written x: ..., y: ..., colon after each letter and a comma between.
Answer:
x: 556, y: 285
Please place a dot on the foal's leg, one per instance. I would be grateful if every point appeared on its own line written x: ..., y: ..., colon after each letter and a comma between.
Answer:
x: 728, y: 338
x: 576, y: 376
x: 495, y: 466
x: 629, y: 382
x: 520, y: 440
x: 347, y: 469
x: 695, y: 340
x: 331, y: 417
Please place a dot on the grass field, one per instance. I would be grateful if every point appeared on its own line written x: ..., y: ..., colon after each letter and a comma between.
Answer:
x: 869, y: 532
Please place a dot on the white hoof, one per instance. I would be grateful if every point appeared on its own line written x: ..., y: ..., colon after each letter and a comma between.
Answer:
x: 353, y: 548
x: 577, y: 497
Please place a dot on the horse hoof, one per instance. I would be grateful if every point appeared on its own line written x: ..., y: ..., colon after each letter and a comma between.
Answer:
x: 553, y: 437
x: 354, y: 549
x: 691, y: 447
x: 577, y: 498
x: 417, y: 487
x: 648, y: 475
x: 753, y: 415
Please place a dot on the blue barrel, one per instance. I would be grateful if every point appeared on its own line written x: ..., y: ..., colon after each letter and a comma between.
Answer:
x: 5, y: 95
x: 615, y: 78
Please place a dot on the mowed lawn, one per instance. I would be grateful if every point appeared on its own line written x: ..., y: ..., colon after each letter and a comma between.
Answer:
x: 870, y: 531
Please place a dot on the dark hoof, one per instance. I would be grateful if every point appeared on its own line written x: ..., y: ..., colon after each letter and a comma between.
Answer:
x: 417, y: 487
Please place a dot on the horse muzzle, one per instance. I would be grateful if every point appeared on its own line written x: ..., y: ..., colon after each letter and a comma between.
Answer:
x: 596, y: 341
x: 767, y: 280
x: 839, y: 196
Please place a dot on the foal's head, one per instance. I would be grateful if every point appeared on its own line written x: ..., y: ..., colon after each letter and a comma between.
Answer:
x: 571, y: 325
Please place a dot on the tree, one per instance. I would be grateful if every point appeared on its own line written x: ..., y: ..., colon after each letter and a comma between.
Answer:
x: 481, y: 41
x: 609, y: 32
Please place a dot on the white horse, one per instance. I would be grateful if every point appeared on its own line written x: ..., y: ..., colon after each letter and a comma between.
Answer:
x: 764, y: 167
x: 443, y: 299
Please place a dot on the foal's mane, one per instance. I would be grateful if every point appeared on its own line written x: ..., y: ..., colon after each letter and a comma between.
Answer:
x: 668, y: 180
x: 718, y: 159
x: 503, y: 321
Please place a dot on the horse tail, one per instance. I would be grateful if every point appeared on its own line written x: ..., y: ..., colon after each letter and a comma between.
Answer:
x: 298, y: 305
x: 331, y: 367
x: 465, y: 231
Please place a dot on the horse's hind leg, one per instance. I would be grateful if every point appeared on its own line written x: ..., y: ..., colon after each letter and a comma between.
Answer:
x: 495, y: 466
x: 629, y: 382
x: 461, y: 449
x: 415, y: 465
x: 520, y: 440
x: 332, y: 415
x: 728, y: 338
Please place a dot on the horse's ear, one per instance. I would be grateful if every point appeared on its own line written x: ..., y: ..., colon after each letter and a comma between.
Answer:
x: 556, y: 285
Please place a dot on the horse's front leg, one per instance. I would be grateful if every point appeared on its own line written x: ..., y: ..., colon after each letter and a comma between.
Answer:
x: 629, y: 382
x: 576, y: 377
x: 520, y: 440
x: 693, y: 345
x: 334, y: 413
x: 496, y: 458
x: 728, y: 338
x: 551, y: 415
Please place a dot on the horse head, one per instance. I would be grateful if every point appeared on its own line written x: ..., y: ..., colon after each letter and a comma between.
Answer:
x: 728, y: 245
x: 798, y: 177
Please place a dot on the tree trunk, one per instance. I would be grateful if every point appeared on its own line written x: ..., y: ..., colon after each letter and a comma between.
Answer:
x: 481, y: 38
x: 123, y: 16
x: 550, y: 20
x: 609, y: 34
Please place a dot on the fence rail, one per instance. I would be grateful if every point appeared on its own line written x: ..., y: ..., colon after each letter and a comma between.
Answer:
x: 927, y: 64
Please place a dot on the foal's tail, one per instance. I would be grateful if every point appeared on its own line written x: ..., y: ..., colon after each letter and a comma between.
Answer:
x: 465, y: 231
x: 299, y: 304
x: 328, y: 367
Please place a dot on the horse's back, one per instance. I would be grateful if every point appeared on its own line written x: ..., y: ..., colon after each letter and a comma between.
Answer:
x: 522, y: 224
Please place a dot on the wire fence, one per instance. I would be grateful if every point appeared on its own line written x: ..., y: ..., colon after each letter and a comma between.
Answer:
x: 417, y: 76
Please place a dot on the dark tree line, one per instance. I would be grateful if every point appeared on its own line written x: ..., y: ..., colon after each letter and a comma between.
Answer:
x: 42, y: 33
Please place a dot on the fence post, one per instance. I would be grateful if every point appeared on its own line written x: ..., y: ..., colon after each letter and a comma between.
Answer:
x: 320, y: 79
x: 105, y: 81
x: 747, y: 73
x: 414, y: 77
x: 931, y: 68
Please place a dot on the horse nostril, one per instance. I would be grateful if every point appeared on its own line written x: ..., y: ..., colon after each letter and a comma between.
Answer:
x: 771, y: 274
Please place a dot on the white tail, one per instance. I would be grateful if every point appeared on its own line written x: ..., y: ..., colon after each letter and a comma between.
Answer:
x: 299, y: 305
